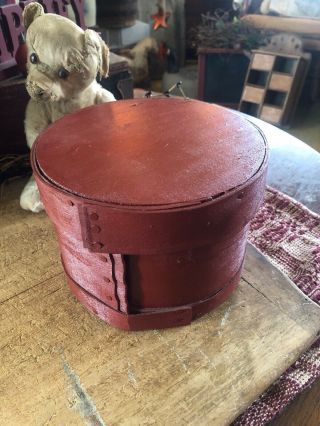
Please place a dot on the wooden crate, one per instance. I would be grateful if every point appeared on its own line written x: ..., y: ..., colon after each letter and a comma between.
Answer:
x: 273, y: 85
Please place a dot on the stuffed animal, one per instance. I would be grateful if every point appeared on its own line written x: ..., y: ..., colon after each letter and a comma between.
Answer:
x: 137, y: 59
x: 63, y: 63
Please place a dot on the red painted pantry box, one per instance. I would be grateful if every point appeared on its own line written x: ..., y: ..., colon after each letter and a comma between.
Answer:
x: 151, y: 201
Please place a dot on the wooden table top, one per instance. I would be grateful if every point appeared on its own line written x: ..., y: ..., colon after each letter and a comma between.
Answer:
x: 61, y: 365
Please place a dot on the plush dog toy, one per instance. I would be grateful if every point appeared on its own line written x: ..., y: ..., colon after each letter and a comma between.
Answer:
x: 137, y: 58
x: 63, y: 63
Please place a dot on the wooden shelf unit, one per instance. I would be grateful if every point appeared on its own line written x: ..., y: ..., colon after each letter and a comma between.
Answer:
x: 273, y: 85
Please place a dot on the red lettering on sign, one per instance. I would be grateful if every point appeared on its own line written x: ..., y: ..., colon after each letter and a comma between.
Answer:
x: 11, y: 15
x: 11, y: 24
x: 78, y: 8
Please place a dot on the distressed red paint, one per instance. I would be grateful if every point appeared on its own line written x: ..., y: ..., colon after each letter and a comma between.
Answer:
x: 151, y: 200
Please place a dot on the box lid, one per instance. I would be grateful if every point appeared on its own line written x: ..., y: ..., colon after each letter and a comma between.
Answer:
x: 150, y: 153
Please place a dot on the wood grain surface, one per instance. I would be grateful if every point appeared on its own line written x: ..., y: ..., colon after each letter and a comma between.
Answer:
x: 60, y: 365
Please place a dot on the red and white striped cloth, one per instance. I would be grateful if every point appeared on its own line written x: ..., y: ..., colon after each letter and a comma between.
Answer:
x: 288, y: 234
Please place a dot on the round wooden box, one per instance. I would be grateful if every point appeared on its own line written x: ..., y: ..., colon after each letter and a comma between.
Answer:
x: 151, y: 201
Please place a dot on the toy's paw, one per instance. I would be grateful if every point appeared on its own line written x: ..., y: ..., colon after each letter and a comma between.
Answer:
x: 30, y: 197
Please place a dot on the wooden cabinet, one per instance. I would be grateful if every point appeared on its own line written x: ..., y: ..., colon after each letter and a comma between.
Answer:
x: 273, y: 85
x: 222, y: 73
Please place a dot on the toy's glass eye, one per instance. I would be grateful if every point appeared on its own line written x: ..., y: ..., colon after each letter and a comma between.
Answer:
x: 63, y: 73
x: 34, y: 58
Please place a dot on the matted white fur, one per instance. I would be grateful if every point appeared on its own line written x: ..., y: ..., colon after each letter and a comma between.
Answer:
x: 30, y: 197
x: 63, y: 64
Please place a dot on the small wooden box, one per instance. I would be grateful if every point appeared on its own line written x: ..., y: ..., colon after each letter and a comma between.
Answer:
x: 151, y: 200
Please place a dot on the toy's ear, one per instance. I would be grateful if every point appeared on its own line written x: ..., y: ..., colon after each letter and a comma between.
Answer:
x: 92, y: 40
x: 31, y: 12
